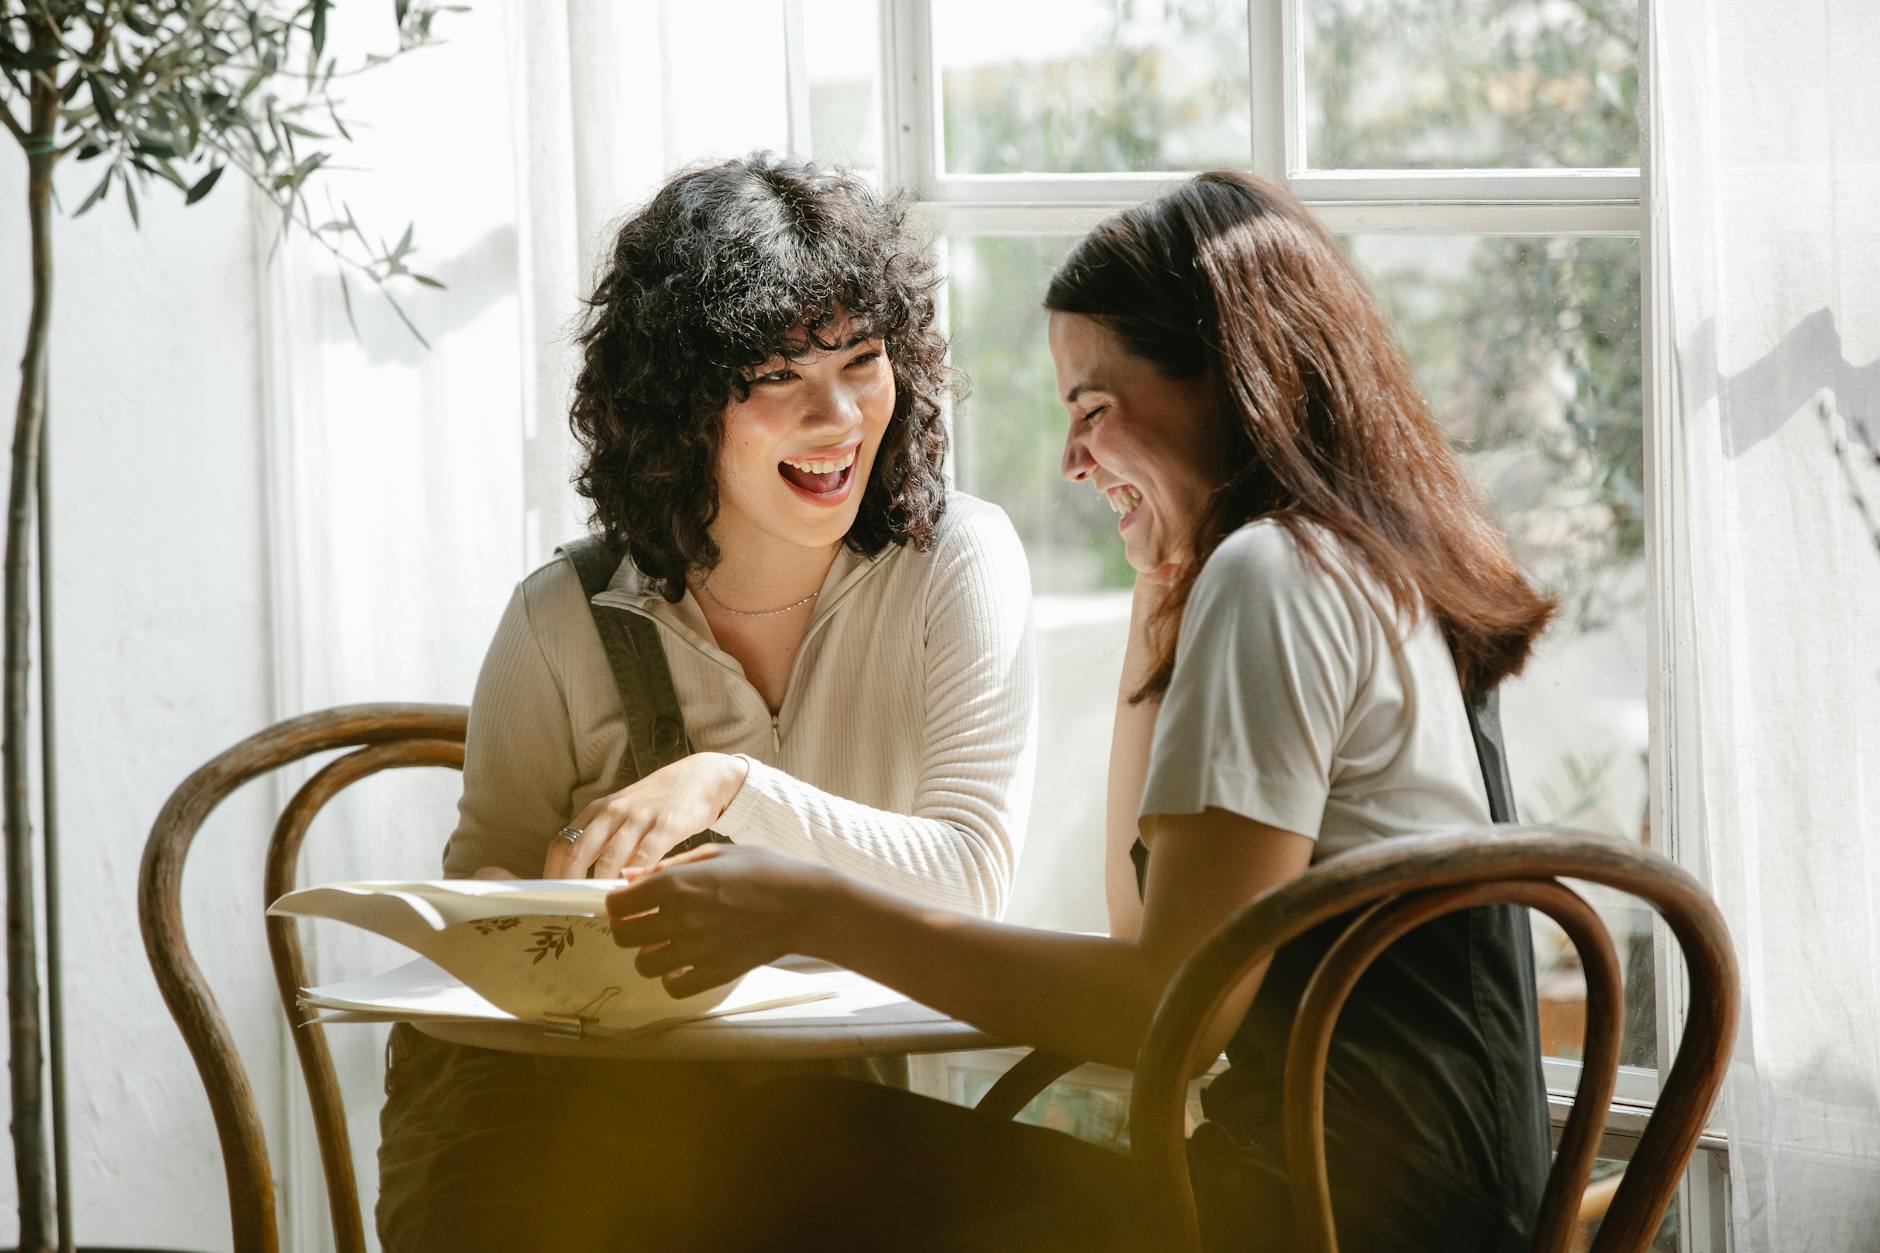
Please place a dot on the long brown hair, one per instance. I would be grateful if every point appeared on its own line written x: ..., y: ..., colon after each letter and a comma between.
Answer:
x: 1229, y: 274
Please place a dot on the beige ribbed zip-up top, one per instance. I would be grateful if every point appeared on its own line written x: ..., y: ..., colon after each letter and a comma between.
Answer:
x: 902, y: 752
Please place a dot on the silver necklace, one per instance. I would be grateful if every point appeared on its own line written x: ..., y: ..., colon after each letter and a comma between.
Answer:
x: 706, y: 587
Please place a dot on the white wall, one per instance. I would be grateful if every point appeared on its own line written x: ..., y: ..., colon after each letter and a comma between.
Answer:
x: 162, y: 661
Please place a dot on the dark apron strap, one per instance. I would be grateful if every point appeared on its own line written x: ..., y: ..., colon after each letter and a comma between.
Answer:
x: 648, y: 703
x: 1506, y: 992
x: 1484, y: 711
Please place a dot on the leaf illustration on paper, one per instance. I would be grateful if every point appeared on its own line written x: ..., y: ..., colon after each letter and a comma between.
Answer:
x: 551, y: 942
x: 490, y: 926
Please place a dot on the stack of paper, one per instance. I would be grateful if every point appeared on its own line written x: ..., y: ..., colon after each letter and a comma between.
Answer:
x: 422, y: 989
x: 534, y: 951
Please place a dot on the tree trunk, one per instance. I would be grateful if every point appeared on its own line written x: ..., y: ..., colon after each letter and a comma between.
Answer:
x: 27, y: 1064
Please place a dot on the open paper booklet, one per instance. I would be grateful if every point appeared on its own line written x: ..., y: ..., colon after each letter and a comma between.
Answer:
x: 526, y: 950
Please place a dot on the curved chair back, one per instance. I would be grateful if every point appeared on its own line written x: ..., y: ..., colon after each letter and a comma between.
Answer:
x: 385, y: 736
x: 1402, y: 883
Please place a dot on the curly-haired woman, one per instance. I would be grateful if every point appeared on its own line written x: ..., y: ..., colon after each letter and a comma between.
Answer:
x: 847, y: 643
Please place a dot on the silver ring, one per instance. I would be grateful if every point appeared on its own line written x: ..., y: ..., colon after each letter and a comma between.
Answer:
x: 570, y: 834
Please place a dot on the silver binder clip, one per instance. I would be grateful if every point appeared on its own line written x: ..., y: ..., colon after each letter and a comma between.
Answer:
x: 564, y: 1026
x: 574, y: 1026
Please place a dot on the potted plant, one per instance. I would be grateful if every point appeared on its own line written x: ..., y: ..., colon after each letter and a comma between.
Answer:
x: 147, y: 94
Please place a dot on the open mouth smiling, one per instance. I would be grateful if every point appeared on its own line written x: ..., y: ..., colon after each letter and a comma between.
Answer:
x: 825, y: 476
x: 1125, y: 500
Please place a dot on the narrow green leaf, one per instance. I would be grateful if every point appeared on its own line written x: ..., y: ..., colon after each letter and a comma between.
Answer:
x: 130, y: 199
x: 427, y: 280
x: 404, y: 242
x: 203, y: 185
x: 287, y: 223
x: 101, y: 97
x: 345, y: 296
x: 312, y: 163
x: 97, y: 193
x: 352, y: 224
x: 316, y: 30
x: 28, y: 59
x: 402, y: 317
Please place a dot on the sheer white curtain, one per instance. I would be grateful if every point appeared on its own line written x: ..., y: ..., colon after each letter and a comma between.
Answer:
x: 1769, y: 166
x: 410, y: 487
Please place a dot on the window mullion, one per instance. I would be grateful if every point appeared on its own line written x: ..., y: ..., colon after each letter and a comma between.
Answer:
x: 1468, y: 185
x: 796, y: 79
x: 1270, y: 87
x: 907, y: 114
x: 1075, y: 215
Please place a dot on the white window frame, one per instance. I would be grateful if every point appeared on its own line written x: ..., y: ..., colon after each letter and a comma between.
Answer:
x: 1586, y: 202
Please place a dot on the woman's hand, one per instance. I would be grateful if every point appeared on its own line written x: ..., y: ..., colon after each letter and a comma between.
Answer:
x: 1163, y: 576
x: 709, y: 915
x: 636, y: 826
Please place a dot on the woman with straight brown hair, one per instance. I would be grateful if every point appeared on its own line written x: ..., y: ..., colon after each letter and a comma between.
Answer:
x: 1323, y: 611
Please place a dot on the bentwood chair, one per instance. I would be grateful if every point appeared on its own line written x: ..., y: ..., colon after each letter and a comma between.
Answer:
x: 383, y: 737
x: 1400, y: 884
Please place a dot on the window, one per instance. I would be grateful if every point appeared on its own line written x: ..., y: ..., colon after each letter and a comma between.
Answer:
x: 1479, y: 159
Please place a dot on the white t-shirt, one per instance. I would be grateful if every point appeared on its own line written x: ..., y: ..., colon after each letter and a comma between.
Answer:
x: 1299, y: 700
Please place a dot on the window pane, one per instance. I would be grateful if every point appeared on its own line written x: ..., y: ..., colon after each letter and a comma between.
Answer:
x: 1528, y: 349
x: 1090, y: 85
x: 1010, y: 428
x: 1471, y: 84
x: 842, y: 64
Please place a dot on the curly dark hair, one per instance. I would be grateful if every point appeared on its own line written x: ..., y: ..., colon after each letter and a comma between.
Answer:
x: 728, y: 266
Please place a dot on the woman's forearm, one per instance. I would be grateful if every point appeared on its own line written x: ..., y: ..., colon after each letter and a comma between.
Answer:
x: 956, y: 851
x: 1086, y: 997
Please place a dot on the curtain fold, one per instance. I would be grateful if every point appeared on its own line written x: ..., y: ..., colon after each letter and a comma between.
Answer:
x: 1769, y: 173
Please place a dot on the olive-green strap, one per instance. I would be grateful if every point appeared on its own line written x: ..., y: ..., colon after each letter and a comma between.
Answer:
x: 648, y: 704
